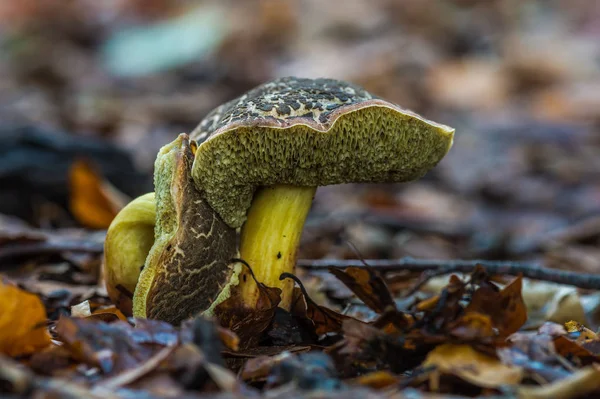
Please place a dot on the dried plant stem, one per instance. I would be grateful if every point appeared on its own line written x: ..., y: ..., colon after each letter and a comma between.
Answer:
x: 133, y: 374
x: 439, y: 267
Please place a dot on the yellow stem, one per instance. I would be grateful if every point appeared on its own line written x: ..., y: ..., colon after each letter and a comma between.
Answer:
x: 270, y: 237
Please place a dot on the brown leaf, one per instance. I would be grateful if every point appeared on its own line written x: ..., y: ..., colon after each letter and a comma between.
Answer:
x: 108, y: 314
x: 473, y: 325
x: 394, y: 322
x: 229, y: 338
x: 445, y: 308
x: 357, y: 334
x: 368, y: 285
x: 324, y: 319
x: 505, y: 308
x: 22, y: 322
x: 117, y: 346
x: 477, y: 368
x: 248, y: 323
x: 93, y: 201
x: 258, y: 368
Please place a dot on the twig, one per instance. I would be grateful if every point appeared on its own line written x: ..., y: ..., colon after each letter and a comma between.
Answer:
x: 131, y: 375
x: 529, y: 270
x: 48, y: 248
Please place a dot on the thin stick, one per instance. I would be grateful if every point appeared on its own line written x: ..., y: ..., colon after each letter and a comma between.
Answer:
x: 133, y: 374
x: 529, y: 270
x: 48, y: 248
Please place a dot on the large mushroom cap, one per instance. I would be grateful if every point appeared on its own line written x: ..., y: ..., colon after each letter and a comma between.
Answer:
x: 309, y: 132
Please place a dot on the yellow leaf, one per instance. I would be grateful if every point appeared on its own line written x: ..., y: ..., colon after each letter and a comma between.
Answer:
x: 580, y: 332
x: 377, y: 379
x: 22, y: 322
x: 477, y: 368
x: 93, y: 201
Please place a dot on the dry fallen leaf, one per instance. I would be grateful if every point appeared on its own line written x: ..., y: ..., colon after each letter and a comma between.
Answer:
x: 93, y: 201
x: 248, y: 323
x: 114, y: 347
x: 22, y: 322
x: 505, y: 308
x: 259, y: 368
x: 368, y: 285
x: 324, y: 320
x: 477, y: 368
x: 229, y: 338
x: 108, y: 314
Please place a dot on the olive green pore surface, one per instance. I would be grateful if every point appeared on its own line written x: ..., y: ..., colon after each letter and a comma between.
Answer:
x: 309, y: 133
x: 189, y: 263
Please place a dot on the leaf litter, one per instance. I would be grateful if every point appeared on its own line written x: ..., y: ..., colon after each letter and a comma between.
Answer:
x: 466, y: 337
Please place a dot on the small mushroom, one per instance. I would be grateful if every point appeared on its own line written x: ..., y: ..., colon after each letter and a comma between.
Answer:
x: 128, y: 241
x: 258, y: 163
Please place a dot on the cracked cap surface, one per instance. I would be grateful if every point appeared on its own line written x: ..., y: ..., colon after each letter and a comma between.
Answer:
x: 309, y: 132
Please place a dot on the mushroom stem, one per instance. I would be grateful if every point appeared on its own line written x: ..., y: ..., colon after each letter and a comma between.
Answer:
x: 270, y: 238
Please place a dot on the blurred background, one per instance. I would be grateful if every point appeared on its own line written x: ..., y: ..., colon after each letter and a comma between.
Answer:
x: 90, y: 90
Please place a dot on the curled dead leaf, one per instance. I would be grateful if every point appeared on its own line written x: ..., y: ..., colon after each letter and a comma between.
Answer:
x: 505, y: 308
x: 325, y: 320
x: 368, y: 285
x: 248, y: 322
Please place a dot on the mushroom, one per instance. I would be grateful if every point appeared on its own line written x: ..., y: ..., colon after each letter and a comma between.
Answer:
x: 262, y: 156
x: 187, y: 266
x: 259, y: 161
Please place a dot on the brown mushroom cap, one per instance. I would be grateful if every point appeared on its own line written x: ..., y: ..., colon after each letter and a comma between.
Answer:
x: 309, y: 132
